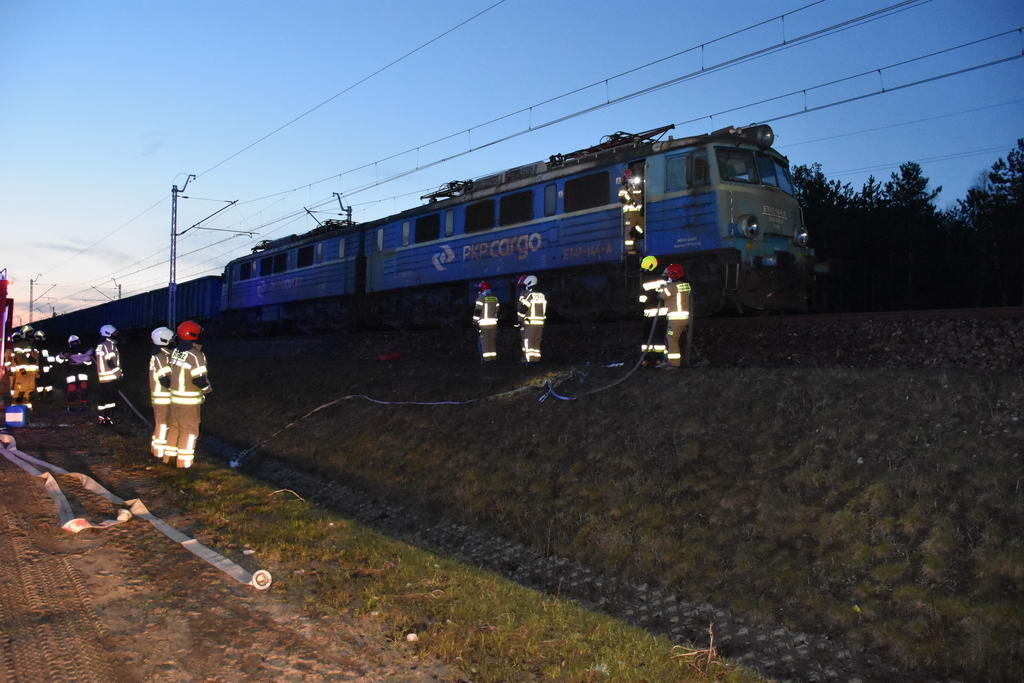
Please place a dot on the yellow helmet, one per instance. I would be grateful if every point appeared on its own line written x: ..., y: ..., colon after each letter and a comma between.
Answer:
x: 649, y: 263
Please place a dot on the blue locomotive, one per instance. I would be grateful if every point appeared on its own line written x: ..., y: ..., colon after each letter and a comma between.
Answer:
x: 722, y: 204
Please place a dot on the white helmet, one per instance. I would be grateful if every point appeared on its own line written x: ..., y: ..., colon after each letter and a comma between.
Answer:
x: 73, y: 339
x: 162, y: 336
x: 107, y: 331
x: 528, y: 281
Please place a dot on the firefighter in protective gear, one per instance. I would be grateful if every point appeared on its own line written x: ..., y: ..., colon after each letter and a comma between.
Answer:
x: 44, y: 382
x: 631, y: 195
x: 674, y: 298
x: 159, y: 396
x: 108, y: 373
x: 530, y: 313
x: 653, y: 344
x: 78, y: 361
x: 485, y: 317
x: 24, y: 368
x: 188, y: 380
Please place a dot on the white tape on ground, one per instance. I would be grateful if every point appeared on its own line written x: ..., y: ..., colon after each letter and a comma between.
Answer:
x: 260, y: 579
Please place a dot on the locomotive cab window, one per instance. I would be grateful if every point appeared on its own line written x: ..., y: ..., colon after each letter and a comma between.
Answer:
x: 281, y: 262
x: 587, y: 192
x: 736, y: 165
x: 480, y: 216
x: 516, y: 208
x: 304, y: 257
x: 774, y: 172
x: 550, y: 199
x: 245, y: 270
x: 266, y: 266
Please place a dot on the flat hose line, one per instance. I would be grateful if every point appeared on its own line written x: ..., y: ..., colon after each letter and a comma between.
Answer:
x: 260, y: 579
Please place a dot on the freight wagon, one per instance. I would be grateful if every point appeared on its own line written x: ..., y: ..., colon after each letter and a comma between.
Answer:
x: 197, y: 299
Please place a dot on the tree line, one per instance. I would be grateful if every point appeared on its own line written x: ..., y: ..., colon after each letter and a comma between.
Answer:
x: 888, y: 247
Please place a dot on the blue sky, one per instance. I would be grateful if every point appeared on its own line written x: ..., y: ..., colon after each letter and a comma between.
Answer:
x: 104, y: 106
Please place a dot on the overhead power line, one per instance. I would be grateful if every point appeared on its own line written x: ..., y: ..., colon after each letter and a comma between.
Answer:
x: 783, y: 43
x: 111, y: 233
x: 285, y: 125
x: 357, y: 83
x: 350, y: 192
x: 899, y: 124
x: 328, y: 200
x: 941, y: 157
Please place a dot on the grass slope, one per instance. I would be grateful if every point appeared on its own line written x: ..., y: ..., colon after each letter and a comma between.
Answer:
x: 883, y: 507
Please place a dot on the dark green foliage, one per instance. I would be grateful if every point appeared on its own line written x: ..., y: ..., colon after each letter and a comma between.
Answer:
x: 891, y: 249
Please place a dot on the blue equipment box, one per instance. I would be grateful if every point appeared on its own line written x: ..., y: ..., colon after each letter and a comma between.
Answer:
x: 16, y: 416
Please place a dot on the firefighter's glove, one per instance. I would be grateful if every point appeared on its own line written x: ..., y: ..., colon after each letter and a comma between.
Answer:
x: 165, y: 382
x: 202, y: 382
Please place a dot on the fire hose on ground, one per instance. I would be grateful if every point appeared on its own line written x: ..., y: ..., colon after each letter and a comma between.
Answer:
x: 549, y: 390
x: 260, y: 579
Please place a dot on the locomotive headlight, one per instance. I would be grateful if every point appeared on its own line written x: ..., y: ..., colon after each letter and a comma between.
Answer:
x: 749, y: 226
x: 800, y: 237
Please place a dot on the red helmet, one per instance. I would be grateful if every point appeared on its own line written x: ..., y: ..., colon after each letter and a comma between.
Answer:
x: 189, y: 330
x: 674, y: 271
x: 483, y: 286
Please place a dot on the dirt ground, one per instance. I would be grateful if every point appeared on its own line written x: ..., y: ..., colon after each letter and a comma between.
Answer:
x: 129, y: 604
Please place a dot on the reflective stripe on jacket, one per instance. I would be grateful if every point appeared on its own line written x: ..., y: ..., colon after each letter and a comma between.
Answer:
x: 485, y: 313
x: 185, y: 366
x: 108, y: 361
x: 533, y: 307
x: 674, y: 297
x: 157, y: 362
x: 650, y: 298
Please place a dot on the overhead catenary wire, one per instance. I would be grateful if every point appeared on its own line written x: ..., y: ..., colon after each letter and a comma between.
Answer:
x: 285, y: 125
x: 762, y: 52
x: 948, y: 74
x: 845, y: 24
x: 354, y: 85
x: 298, y: 214
x: 899, y: 124
x: 783, y: 44
x: 932, y: 159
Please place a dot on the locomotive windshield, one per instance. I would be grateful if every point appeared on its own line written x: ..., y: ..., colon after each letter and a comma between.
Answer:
x: 746, y: 166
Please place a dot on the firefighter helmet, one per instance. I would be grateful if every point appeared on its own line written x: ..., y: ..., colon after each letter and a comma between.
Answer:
x: 528, y: 281
x: 17, y: 335
x: 73, y: 339
x: 674, y: 272
x: 649, y: 263
x: 484, y: 286
x: 189, y: 330
x: 40, y: 335
x: 162, y: 336
x: 107, y: 331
